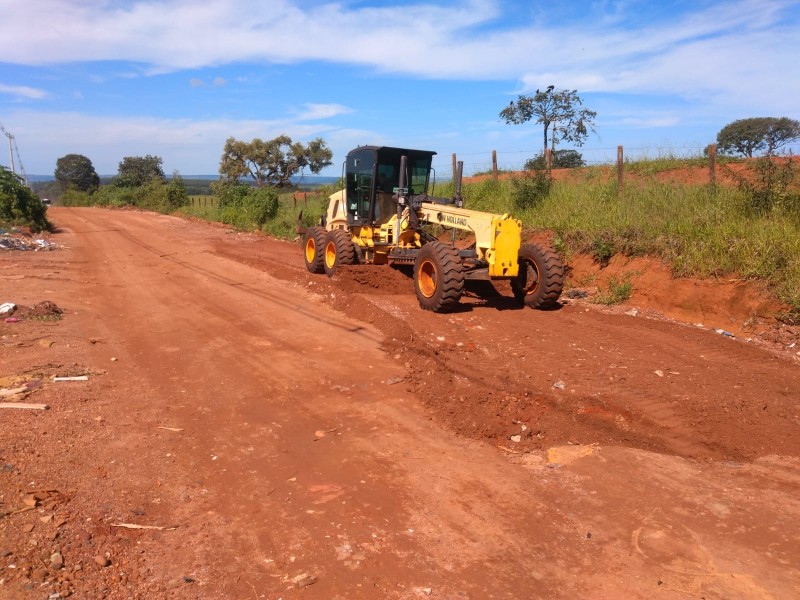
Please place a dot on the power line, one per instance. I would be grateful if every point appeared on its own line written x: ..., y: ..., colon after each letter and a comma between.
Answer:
x: 13, y: 149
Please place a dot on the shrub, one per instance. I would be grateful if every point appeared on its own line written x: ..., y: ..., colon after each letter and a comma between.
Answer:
x: 530, y: 189
x: 562, y: 159
x: 245, y: 206
x: 19, y: 205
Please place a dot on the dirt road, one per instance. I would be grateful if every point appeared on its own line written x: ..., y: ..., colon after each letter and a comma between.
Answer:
x: 291, y: 436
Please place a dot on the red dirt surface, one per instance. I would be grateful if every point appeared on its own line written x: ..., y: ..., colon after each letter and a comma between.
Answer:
x: 285, y: 435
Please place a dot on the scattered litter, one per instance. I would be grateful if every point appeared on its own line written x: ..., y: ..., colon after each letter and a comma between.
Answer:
x: 13, y: 243
x: 176, y: 429
x: 659, y: 372
x: 75, y: 378
x: 134, y: 526
x: 5, y: 392
x: 12, y: 320
x: 560, y: 385
x: 7, y: 308
x: 632, y: 312
x: 725, y: 333
x: 24, y: 405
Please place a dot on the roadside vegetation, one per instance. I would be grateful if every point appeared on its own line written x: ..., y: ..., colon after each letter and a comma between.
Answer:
x: 19, y: 205
x: 749, y: 229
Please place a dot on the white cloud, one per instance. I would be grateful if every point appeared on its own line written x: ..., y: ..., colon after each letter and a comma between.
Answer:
x: 315, y: 112
x: 722, y: 51
x: 22, y: 91
x: 190, y: 146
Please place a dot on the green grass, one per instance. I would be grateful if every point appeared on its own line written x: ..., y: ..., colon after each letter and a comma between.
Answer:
x: 617, y: 292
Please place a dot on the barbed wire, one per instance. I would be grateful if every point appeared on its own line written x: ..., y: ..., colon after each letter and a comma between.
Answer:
x: 514, y: 160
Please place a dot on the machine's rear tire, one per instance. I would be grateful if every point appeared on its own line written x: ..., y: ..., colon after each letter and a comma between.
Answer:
x: 438, y: 277
x: 313, y: 249
x: 338, y: 250
x: 541, y: 277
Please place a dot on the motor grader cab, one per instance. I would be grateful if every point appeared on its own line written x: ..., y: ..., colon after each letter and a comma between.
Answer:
x: 384, y: 215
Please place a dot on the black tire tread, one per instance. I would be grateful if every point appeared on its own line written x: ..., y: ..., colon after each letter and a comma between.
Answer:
x: 345, y: 250
x: 551, y: 276
x: 317, y: 233
x: 450, y: 286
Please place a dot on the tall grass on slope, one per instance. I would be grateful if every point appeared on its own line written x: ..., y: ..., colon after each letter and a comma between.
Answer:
x: 697, y: 231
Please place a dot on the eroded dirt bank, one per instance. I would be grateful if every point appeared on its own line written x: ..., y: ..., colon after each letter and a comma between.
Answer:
x: 302, y: 437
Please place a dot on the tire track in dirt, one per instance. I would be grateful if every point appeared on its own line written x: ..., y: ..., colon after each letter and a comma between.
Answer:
x: 490, y: 368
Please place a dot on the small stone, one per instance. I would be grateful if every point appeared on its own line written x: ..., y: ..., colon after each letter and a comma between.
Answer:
x: 516, y: 438
x: 559, y: 385
x: 304, y: 580
x: 85, y: 536
x: 5, y: 553
x: 660, y: 373
x: 113, y: 359
x: 27, y: 528
x: 101, y: 561
x: 30, y: 501
x: 46, y: 519
x: 56, y: 560
x: 319, y: 433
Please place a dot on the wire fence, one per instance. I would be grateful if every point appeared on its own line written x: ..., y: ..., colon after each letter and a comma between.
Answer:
x: 483, y: 162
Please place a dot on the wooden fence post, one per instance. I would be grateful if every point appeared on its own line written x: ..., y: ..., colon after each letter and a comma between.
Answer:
x: 455, y: 171
x: 712, y: 165
x: 494, y: 162
x: 620, y: 172
x: 548, y: 159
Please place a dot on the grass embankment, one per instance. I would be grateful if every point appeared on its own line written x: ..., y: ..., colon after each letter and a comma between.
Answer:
x: 698, y: 231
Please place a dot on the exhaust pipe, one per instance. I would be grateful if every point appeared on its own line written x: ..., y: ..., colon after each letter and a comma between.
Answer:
x: 401, y: 186
x: 459, y: 202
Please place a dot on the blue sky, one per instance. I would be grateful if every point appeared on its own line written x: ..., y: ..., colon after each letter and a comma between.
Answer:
x: 175, y: 78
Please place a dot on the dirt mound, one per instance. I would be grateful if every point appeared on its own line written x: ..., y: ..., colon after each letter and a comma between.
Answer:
x: 41, y: 310
x: 372, y: 279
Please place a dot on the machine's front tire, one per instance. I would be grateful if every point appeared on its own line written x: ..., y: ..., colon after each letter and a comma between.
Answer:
x: 313, y: 249
x: 339, y: 250
x: 438, y: 277
x: 541, y: 277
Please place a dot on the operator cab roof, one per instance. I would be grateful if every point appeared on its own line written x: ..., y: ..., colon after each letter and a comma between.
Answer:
x: 392, y: 150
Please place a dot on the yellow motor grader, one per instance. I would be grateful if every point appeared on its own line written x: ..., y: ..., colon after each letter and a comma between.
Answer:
x: 384, y: 215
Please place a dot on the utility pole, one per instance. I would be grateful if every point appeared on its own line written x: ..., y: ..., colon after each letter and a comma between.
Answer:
x: 12, y: 147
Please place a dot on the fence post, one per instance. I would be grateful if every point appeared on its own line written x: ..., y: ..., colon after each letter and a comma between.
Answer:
x: 494, y: 163
x: 620, y: 177
x: 454, y: 167
x: 548, y: 159
x: 712, y: 165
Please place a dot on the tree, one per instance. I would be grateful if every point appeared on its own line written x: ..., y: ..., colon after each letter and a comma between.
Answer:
x: 758, y: 134
x: 135, y: 171
x: 76, y: 172
x: 272, y: 163
x: 563, y: 109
